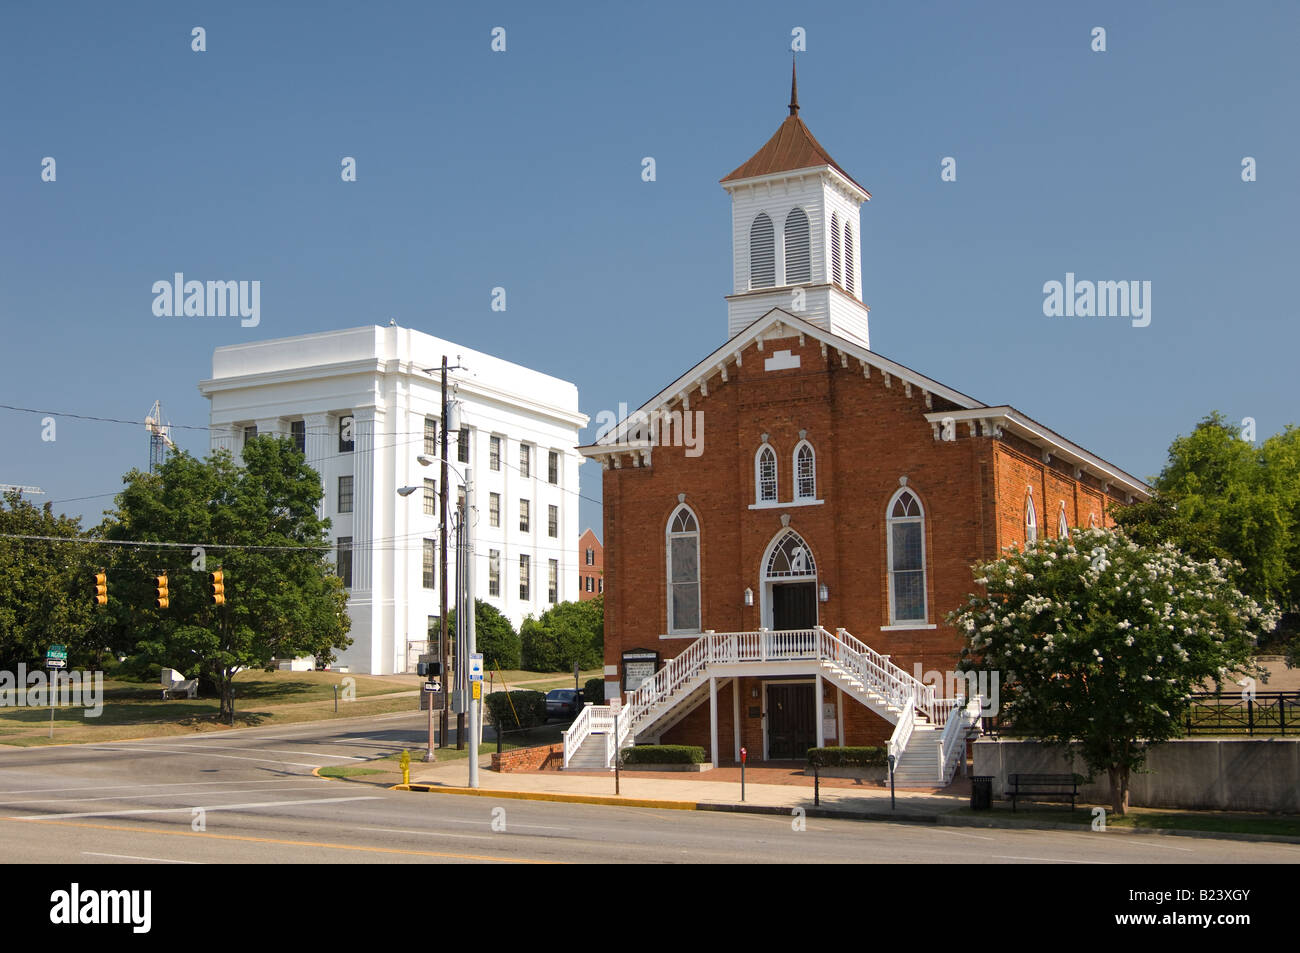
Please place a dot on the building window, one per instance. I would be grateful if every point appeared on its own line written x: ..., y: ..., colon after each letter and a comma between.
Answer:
x: 494, y: 453
x: 494, y: 509
x: 298, y: 431
x: 1062, y: 523
x: 431, y: 437
x: 836, y: 275
x: 1031, y: 521
x: 430, y: 497
x: 586, y: 583
x: 805, y: 472
x: 683, y: 545
x: 591, y: 557
x: 553, y: 581
x: 429, y: 580
x: 553, y: 467
x: 345, y: 494
x: 523, y: 576
x: 848, y: 258
x: 345, y: 435
x: 906, y: 521
x: 765, y: 474
x: 525, y: 458
x: 553, y: 522
x: 494, y: 572
x: 600, y: 585
x: 798, y: 263
x: 523, y: 516
x: 345, y: 560
x: 462, y: 446
x: 250, y: 433
x: 762, y: 253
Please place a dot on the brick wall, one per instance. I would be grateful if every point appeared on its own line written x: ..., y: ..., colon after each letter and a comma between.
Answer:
x: 540, y: 758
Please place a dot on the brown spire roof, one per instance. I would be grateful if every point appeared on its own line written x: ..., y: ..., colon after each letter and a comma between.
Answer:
x: 792, y: 147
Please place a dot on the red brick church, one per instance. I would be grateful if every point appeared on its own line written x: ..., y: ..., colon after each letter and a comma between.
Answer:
x: 787, y: 523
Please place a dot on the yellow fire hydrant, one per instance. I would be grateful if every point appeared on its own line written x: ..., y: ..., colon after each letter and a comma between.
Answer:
x: 406, y: 767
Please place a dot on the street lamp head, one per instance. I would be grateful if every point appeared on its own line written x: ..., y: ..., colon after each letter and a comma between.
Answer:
x: 424, y: 461
x: 406, y: 490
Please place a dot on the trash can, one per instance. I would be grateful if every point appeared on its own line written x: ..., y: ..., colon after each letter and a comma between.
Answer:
x: 981, y: 793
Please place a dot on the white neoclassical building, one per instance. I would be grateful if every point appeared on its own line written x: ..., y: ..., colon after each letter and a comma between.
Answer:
x: 363, y: 404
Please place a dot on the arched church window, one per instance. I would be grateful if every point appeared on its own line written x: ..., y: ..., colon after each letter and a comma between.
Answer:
x: 765, y: 474
x: 683, y: 545
x: 805, y: 472
x: 1031, y: 521
x: 762, y: 253
x: 906, y: 527
x: 798, y: 263
x: 1062, y: 523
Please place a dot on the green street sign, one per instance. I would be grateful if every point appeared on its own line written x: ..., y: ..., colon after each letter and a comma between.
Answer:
x: 57, y: 652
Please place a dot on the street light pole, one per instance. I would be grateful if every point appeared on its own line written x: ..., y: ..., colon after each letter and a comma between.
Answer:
x: 467, y: 533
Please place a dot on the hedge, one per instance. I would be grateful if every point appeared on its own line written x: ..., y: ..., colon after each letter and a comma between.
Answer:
x: 593, y: 690
x: 664, y: 754
x: 528, y: 711
x: 876, y: 757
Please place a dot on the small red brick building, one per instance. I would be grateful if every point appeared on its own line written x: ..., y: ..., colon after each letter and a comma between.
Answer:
x: 591, y: 566
x: 789, y: 522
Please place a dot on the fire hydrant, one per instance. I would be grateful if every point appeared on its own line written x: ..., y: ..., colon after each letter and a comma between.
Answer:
x: 406, y: 767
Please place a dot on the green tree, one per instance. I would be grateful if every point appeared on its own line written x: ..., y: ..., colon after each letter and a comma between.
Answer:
x: 1098, y: 642
x: 1222, y: 497
x: 283, y: 599
x: 45, y: 586
x: 567, y: 633
x: 494, y: 637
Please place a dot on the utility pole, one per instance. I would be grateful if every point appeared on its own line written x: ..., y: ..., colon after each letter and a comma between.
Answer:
x: 475, y: 711
x: 442, y: 558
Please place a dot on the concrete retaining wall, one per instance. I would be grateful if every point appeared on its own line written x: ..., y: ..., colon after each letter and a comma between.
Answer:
x: 1255, y: 774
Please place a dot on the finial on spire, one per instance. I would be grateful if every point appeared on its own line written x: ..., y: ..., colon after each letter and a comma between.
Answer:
x: 794, y: 88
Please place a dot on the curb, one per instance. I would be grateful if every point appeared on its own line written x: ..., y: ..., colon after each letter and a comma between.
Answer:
x: 938, y: 820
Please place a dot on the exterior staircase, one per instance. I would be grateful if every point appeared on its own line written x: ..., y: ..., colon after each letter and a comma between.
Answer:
x: 929, y: 736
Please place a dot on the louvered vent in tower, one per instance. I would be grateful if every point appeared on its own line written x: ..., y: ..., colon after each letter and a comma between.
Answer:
x: 798, y: 266
x: 762, y: 253
x: 835, y: 249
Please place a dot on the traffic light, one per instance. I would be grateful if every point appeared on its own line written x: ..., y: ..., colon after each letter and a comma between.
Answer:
x: 428, y: 669
x: 101, y: 589
x: 162, y: 601
x: 217, y: 587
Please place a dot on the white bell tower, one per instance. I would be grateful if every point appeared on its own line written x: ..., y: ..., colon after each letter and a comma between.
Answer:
x: 796, y: 234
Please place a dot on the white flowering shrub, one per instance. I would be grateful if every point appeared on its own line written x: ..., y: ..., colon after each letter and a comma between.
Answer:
x: 1101, y: 641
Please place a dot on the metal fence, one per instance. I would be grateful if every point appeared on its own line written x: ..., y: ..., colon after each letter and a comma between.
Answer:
x: 1264, y: 713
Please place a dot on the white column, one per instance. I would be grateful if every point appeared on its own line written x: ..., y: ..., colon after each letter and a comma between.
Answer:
x: 363, y: 496
x: 817, y: 711
x: 735, y: 714
x: 713, y: 718
x: 273, y: 426
x: 318, y: 442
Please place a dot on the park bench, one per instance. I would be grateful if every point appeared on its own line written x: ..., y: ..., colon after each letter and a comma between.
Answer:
x: 1036, y: 786
x: 174, y: 686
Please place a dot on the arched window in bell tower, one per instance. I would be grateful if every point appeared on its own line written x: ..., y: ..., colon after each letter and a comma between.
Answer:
x: 848, y: 258
x: 835, y: 249
x: 798, y: 263
x: 762, y: 253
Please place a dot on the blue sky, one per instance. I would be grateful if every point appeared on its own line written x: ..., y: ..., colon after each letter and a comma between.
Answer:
x: 521, y: 169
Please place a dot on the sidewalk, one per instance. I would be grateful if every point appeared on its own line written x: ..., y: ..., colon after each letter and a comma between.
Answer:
x: 709, y: 791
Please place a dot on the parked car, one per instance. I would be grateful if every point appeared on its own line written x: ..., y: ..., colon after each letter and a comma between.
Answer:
x: 563, y: 703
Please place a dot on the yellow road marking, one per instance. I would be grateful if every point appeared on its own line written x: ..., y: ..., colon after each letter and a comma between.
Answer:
x: 291, y: 843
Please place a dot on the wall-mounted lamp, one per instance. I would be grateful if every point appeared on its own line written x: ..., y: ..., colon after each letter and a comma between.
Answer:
x: 823, y: 593
x: 749, y: 597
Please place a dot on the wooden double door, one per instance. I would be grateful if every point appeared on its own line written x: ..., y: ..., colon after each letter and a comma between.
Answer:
x: 791, y: 721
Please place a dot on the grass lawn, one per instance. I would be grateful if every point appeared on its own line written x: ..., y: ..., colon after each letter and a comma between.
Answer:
x: 1145, y: 818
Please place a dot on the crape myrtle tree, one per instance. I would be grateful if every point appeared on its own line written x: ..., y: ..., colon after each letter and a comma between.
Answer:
x: 261, y: 529
x: 568, y: 633
x: 1099, y: 642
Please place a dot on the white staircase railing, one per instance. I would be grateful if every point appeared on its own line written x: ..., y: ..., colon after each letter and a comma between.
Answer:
x: 878, y: 676
x: 952, y: 744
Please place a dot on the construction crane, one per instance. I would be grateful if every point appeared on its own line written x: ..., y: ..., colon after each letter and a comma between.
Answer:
x: 158, y: 439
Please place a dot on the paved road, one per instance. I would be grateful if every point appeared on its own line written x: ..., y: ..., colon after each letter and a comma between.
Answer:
x: 132, y: 802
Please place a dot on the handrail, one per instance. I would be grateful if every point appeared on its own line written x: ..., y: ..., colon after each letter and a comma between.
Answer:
x: 902, y: 731
x: 962, y: 715
x: 577, y: 732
